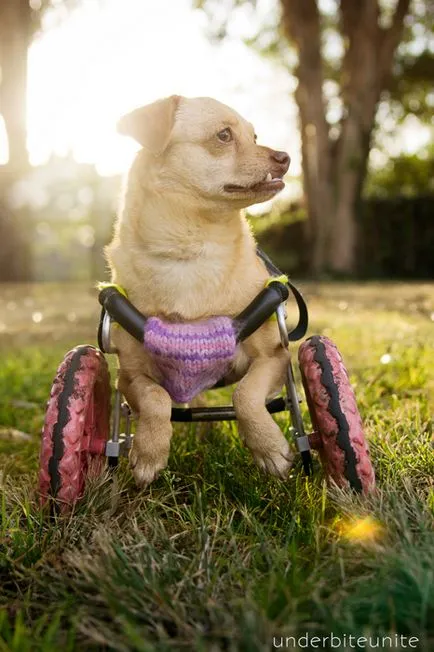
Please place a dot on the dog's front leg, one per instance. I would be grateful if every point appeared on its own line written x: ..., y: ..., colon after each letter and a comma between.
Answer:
x: 151, y: 443
x: 256, y: 426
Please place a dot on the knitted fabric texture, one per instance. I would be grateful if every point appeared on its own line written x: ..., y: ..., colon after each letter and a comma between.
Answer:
x: 191, y: 357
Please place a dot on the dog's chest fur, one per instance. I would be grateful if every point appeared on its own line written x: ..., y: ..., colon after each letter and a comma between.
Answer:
x: 191, y: 276
x: 190, y: 289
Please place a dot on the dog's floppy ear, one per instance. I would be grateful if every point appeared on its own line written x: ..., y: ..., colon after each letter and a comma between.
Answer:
x: 151, y: 125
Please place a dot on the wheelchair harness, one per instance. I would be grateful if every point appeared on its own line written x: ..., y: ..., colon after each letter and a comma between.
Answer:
x: 190, y: 357
x: 194, y: 356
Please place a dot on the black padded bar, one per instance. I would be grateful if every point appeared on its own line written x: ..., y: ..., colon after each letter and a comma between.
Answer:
x: 260, y: 309
x: 256, y: 313
x: 224, y: 413
x: 123, y: 312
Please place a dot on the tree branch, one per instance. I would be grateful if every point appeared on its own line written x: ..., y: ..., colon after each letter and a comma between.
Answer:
x: 391, y: 38
x: 361, y: 31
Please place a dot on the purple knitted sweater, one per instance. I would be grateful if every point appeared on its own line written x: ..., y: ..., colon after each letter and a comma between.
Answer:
x: 190, y: 356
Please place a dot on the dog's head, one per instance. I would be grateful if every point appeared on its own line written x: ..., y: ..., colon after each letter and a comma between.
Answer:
x: 202, y: 147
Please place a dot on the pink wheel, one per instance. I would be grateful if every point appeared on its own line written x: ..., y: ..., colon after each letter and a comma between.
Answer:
x: 332, y: 405
x: 76, y: 426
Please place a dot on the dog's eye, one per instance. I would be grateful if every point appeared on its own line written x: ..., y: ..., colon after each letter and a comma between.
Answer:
x: 255, y: 138
x: 225, y: 135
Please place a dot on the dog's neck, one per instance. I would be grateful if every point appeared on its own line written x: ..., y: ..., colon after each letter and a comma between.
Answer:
x: 182, y: 231
x: 184, y: 262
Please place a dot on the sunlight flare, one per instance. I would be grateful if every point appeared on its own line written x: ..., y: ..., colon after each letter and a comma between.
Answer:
x: 360, y: 530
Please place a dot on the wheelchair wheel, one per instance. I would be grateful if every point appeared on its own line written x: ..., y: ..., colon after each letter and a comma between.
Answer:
x: 76, y: 426
x: 343, y: 448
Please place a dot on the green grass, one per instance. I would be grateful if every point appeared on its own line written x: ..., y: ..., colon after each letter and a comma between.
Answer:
x: 215, y: 556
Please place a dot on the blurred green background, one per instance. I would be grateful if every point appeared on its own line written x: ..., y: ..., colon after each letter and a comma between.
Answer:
x: 346, y: 88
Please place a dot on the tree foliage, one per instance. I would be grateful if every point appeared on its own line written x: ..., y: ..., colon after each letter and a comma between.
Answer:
x: 346, y: 55
x: 409, y: 175
x: 411, y: 78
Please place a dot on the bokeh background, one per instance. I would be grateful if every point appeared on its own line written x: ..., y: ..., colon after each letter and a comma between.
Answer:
x: 214, y: 555
x: 346, y: 88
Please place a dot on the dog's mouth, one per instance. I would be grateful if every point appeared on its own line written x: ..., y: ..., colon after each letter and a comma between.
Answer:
x: 269, y: 184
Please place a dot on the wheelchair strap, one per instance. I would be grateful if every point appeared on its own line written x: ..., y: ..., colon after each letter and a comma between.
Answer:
x: 303, y: 321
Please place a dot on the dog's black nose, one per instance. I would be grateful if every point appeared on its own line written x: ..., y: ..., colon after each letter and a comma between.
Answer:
x: 281, y: 157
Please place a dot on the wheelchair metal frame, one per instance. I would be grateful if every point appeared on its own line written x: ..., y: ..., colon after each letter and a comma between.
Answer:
x: 120, y: 442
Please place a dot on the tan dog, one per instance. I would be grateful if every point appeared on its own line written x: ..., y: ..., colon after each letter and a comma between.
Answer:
x: 184, y: 251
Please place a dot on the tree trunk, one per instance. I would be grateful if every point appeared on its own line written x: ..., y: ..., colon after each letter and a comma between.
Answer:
x: 360, y: 94
x: 15, y: 36
x: 301, y: 24
x: 366, y: 65
x: 333, y: 184
x: 316, y: 177
x: 14, y: 42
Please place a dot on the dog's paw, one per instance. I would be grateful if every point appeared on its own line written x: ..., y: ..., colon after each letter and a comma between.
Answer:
x: 147, y: 464
x: 276, y: 459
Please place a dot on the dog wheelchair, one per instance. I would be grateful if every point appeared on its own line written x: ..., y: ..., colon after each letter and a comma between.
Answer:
x: 78, y: 440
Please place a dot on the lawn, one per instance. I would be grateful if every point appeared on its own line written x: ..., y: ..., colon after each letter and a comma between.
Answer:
x: 216, y: 556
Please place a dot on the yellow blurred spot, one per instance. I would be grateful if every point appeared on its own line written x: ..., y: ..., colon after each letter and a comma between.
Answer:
x: 362, y: 530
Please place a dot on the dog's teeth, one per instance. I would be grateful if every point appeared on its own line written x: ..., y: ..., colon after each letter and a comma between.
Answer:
x: 268, y: 177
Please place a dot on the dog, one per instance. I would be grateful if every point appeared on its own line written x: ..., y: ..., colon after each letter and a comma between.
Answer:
x: 184, y: 252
